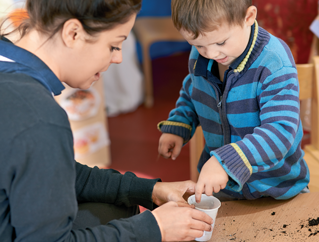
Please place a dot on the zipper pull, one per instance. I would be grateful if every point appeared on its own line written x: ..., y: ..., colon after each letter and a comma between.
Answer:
x: 220, y: 102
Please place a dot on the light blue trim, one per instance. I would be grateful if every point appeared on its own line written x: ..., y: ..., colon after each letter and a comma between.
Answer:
x: 210, y: 64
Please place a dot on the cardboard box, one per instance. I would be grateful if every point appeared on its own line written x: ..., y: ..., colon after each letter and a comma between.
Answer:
x: 87, y: 116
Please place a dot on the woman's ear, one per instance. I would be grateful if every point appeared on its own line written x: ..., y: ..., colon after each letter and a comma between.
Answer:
x: 72, y: 33
x: 251, y: 15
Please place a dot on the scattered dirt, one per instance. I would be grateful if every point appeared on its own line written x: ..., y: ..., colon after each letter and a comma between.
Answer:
x: 313, y: 222
x: 279, y: 228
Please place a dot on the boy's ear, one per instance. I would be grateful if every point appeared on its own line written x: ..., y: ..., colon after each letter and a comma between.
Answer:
x: 251, y: 15
x: 72, y: 32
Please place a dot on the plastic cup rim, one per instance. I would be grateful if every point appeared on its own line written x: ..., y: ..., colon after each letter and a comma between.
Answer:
x: 202, y: 209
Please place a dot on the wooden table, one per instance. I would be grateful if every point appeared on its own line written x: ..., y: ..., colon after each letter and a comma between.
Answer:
x: 267, y: 219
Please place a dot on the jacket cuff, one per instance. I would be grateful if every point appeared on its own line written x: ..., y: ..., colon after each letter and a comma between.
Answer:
x: 235, y: 164
x: 141, y: 190
x: 180, y: 129
x: 146, y: 227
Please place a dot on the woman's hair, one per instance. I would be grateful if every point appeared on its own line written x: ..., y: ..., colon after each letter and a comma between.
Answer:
x: 200, y: 16
x: 49, y: 16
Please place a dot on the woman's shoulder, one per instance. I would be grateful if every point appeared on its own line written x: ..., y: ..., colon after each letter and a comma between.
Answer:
x: 27, y: 101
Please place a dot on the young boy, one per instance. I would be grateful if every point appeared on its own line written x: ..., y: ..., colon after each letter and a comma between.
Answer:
x: 242, y: 88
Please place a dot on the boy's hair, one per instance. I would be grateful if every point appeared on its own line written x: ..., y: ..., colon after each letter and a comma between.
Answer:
x: 200, y: 16
x: 49, y: 16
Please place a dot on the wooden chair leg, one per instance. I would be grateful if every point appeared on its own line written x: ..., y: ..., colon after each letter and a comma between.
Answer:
x: 196, y: 146
x: 148, y: 80
x: 313, y: 165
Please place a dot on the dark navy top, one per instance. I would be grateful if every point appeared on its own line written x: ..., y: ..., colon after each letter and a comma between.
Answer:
x: 40, y: 182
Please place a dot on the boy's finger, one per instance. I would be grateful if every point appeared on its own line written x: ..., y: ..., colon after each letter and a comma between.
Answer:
x: 161, y: 149
x: 167, y: 155
x: 175, y: 153
x: 198, y: 192
x: 216, y: 189
x: 209, y: 190
x: 164, y: 151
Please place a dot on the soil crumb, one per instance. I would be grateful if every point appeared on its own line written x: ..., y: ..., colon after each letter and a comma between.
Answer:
x: 313, y: 222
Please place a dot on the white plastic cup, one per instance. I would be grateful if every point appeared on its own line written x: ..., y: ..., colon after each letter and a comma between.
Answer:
x: 210, y: 206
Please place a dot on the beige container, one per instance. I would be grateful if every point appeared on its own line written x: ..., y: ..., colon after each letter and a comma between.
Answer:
x: 87, y: 116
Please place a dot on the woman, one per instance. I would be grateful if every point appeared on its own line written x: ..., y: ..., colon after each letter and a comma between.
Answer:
x: 72, y: 41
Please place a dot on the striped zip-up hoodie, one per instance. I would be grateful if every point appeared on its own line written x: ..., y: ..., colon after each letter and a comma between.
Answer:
x: 251, y: 121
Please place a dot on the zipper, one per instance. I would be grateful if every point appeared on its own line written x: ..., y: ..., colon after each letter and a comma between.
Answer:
x: 219, y: 105
x: 223, y: 114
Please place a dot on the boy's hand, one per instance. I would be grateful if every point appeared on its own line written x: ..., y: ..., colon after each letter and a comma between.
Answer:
x: 170, y: 145
x: 212, y: 178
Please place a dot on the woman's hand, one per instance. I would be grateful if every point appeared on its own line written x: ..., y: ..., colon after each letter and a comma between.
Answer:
x: 179, y: 223
x: 172, y: 191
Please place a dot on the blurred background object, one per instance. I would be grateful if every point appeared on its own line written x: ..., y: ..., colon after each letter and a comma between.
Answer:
x: 123, y: 84
x: 6, y: 6
x: 290, y: 21
x: 88, y: 120
x: 154, y: 28
x: 159, y: 9
x: 13, y: 12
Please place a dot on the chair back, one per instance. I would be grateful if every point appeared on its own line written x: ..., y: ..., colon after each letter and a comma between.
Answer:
x: 305, y: 77
x: 313, y: 89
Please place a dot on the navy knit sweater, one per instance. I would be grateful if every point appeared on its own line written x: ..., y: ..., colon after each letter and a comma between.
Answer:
x: 40, y: 182
x: 251, y: 121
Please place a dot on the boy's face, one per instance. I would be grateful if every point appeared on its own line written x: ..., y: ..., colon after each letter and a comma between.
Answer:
x: 223, y: 45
